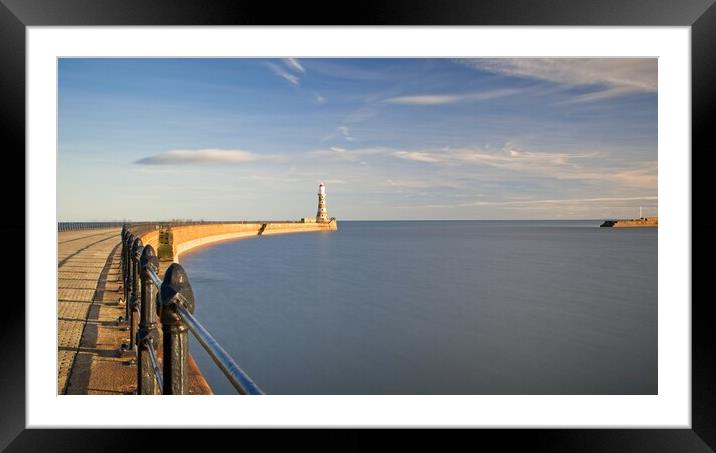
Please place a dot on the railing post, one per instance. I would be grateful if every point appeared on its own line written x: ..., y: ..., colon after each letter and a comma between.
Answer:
x: 123, y: 263
x: 134, y: 299
x: 147, y: 331
x: 125, y: 350
x: 175, y: 290
x: 127, y: 273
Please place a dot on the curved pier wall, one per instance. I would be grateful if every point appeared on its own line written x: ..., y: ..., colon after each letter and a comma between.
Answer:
x: 185, y: 238
x: 150, y: 238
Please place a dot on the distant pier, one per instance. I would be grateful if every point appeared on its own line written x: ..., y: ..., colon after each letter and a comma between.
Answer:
x: 643, y: 222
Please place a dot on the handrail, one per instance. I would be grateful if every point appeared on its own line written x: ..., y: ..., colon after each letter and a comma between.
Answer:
x: 70, y: 226
x: 155, y: 278
x: 146, y: 294
x: 155, y: 365
x: 238, y: 378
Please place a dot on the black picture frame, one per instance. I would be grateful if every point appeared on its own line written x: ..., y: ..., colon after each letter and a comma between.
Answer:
x: 16, y: 15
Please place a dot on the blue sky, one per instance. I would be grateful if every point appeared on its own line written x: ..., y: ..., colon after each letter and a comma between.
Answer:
x: 155, y: 139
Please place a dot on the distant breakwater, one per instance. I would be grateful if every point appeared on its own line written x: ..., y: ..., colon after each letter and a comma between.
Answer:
x: 632, y: 223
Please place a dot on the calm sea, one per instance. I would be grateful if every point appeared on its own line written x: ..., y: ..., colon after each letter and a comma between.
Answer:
x: 459, y: 307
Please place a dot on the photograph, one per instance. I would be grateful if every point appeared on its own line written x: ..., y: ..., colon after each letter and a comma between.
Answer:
x: 407, y: 223
x: 296, y: 225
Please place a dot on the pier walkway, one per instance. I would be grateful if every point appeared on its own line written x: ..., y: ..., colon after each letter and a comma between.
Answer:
x: 88, y: 335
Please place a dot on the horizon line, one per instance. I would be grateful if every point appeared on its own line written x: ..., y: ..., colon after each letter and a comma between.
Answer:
x: 337, y: 219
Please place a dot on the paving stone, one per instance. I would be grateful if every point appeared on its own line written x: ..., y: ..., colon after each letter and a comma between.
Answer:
x: 82, y: 255
x: 89, y: 336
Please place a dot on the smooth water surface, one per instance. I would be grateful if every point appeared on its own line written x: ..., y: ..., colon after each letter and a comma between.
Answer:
x: 463, y: 307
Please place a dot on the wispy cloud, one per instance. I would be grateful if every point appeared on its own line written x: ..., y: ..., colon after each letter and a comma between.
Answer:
x: 420, y: 156
x: 422, y: 183
x: 506, y: 157
x: 346, y: 69
x: 341, y: 132
x: 346, y: 133
x: 279, y: 71
x: 202, y: 156
x: 543, y: 202
x: 320, y: 99
x: 599, y: 95
x: 643, y: 175
x: 338, y: 153
x: 556, y: 165
x: 611, y: 77
x: 438, y: 99
x: 293, y: 64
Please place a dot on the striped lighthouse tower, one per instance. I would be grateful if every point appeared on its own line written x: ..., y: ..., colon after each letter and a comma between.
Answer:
x: 322, y: 214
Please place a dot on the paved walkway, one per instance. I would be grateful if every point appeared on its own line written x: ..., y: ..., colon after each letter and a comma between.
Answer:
x: 88, y: 334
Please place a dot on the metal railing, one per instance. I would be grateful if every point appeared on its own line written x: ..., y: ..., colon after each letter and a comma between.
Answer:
x: 69, y: 226
x: 151, y: 301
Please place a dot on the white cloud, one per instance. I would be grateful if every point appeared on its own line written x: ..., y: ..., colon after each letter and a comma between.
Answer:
x: 644, y: 175
x: 320, y: 99
x: 337, y: 153
x: 419, y: 156
x: 637, y: 73
x: 599, y: 95
x: 201, y: 156
x: 422, y: 183
x: 547, y: 202
x: 343, y: 132
x: 614, y: 76
x: 555, y: 165
x: 293, y: 64
x: 507, y: 157
x: 279, y: 71
x: 438, y: 99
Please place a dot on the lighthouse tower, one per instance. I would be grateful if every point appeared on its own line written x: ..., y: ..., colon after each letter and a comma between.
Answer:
x: 322, y: 214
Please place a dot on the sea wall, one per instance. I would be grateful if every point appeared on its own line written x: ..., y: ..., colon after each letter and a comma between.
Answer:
x: 632, y: 223
x: 185, y: 238
x: 189, y: 237
x: 150, y: 238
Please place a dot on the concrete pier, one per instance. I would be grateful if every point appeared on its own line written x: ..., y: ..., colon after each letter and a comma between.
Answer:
x: 87, y: 295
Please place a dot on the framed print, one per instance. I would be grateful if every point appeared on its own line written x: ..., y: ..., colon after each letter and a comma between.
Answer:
x: 482, y: 185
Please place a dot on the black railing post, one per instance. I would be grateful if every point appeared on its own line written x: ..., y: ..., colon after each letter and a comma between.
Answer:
x: 147, y: 331
x: 127, y: 273
x: 122, y: 235
x: 134, y: 299
x: 125, y: 350
x: 123, y: 264
x: 175, y: 290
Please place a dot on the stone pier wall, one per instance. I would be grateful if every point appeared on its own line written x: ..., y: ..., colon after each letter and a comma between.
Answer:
x: 189, y: 237
x: 185, y: 238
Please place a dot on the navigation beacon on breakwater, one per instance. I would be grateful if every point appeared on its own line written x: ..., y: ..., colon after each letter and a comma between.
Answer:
x: 322, y: 214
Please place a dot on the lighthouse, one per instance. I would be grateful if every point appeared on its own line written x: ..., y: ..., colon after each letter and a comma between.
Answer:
x: 322, y: 214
